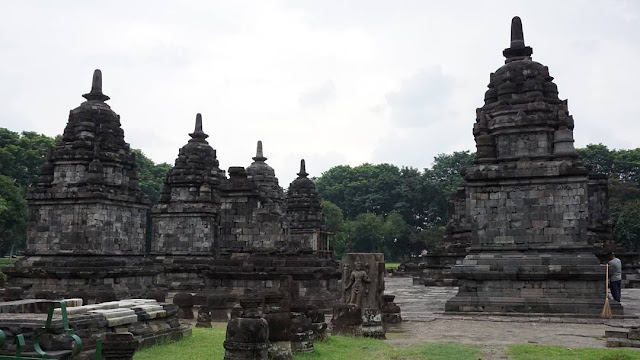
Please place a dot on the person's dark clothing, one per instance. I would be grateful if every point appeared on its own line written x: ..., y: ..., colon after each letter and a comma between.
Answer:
x: 616, y: 289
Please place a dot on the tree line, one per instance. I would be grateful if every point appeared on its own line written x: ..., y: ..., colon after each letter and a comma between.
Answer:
x: 371, y: 207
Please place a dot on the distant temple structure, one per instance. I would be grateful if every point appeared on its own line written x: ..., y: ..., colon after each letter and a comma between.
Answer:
x: 92, y: 233
x: 533, y: 214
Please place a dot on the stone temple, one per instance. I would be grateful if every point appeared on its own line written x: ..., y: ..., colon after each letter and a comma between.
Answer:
x: 93, y: 234
x: 526, y: 200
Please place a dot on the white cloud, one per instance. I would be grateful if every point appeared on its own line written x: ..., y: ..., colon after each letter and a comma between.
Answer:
x: 346, y: 82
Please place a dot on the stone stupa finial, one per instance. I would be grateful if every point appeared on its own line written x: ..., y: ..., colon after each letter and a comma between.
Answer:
x: 303, y: 171
x: 197, y: 132
x: 517, y: 47
x: 96, y: 88
x: 259, y: 156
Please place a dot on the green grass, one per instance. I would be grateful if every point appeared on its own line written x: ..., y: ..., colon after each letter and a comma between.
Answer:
x: 5, y: 261
x: 203, y: 344
x: 541, y: 352
x: 207, y: 344
x: 391, y: 265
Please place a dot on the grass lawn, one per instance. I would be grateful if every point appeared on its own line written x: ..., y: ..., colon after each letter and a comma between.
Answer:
x: 207, y: 344
x: 6, y: 261
x: 542, y: 352
x: 391, y: 265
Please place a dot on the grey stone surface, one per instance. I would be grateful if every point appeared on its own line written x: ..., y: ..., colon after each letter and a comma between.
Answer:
x: 527, y: 201
x: 359, y: 311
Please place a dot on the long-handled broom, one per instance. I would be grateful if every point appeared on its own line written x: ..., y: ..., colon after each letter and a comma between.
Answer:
x: 606, y: 310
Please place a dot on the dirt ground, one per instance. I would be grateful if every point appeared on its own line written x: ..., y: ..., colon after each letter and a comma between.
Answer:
x: 423, y: 309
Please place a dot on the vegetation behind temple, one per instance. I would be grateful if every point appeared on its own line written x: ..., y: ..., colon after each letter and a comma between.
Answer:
x: 395, y: 210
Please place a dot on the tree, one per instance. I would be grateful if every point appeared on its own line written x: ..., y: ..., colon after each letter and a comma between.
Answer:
x: 13, y: 215
x: 150, y: 175
x: 22, y: 155
x: 623, y: 168
x: 334, y: 219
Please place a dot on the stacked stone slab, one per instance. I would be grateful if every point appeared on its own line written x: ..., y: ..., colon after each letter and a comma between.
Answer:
x: 623, y: 337
x: 527, y: 201
x: 87, y: 215
x: 149, y: 323
x: 186, y: 218
x: 305, y: 213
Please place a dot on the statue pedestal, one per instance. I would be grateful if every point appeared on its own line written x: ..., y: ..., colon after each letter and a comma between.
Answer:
x: 346, y: 320
x: 372, y: 324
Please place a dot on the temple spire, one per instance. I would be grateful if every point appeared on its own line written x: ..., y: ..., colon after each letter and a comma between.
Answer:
x: 259, y: 156
x: 517, y: 47
x: 303, y: 170
x: 96, y: 88
x: 197, y: 132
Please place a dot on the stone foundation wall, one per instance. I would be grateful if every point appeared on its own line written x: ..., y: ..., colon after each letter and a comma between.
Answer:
x: 103, y: 227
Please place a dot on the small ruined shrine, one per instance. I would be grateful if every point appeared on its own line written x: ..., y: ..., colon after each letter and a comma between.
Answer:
x: 87, y: 215
x: 186, y: 218
x: 304, y: 208
x: 527, y: 201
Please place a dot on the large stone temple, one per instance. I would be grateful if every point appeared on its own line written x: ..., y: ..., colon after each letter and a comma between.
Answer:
x: 527, y: 201
x: 93, y: 234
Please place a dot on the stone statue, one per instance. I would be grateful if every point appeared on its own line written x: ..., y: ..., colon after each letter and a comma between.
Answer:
x: 357, y: 283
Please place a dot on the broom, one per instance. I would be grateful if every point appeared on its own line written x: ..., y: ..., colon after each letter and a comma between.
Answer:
x: 606, y: 310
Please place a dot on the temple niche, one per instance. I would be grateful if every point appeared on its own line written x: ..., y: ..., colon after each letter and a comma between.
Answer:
x: 528, y: 201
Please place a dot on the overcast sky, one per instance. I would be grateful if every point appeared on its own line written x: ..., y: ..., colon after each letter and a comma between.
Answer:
x: 334, y: 82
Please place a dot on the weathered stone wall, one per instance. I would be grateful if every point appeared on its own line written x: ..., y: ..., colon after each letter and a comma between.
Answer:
x: 84, y: 227
x: 248, y: 221
x: 186, y: 218
x: 527, y: 200
x: 186, y: 233
x: 529, y: 214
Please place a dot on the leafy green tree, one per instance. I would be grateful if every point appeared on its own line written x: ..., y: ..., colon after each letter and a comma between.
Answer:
x: 13, y: 215
x: 150, y: 175
x: 334, y: 219
x: 623, y: 168
x: 22, y: 155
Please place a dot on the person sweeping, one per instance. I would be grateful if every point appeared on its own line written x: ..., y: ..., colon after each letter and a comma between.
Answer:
x: 615, y: 276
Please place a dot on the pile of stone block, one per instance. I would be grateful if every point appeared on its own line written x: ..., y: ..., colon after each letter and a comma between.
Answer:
x: 150, y: 322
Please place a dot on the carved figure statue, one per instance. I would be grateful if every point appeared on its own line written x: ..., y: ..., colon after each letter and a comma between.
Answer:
x: 357, y: 283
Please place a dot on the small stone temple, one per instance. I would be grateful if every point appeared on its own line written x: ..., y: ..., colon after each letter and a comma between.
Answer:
x: 93, y: 234
x: 527, y: 201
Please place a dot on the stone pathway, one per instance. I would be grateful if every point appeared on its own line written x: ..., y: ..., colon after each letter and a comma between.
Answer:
x: 423, y: 307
